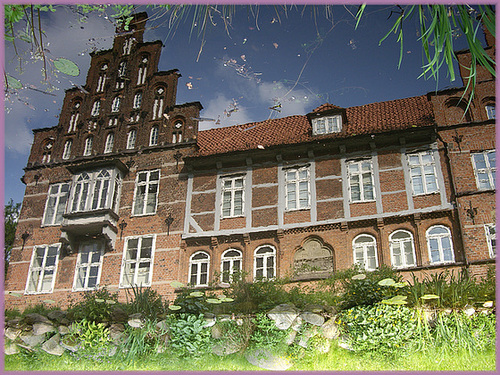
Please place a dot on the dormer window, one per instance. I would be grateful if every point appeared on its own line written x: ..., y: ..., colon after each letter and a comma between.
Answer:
x: 327, y: 124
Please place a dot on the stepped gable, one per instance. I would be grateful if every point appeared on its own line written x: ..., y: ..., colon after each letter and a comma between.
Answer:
x: 366, y: 119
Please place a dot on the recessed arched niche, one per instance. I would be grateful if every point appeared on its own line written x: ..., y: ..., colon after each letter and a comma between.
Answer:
x: 313, y: 259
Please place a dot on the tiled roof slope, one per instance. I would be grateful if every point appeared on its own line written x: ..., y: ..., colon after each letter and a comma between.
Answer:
x: 366, y: 119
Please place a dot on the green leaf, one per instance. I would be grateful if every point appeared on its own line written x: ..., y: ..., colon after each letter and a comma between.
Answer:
x: 429, y: 296
x: 214, y: 301
x: 226, y: 299
x: 13, y: 83
x: 197, y: 294
x: 360, y: 276
x: 386, y: 282
x: 174, y: 307
x: 67, y: 67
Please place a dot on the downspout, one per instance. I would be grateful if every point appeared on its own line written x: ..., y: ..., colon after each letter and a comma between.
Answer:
x: 453, y: 193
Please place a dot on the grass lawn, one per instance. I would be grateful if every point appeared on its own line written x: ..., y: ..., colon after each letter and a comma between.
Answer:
x: 336, y: 359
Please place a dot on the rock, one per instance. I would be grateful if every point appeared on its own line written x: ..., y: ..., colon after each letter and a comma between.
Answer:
x: 210, y: 320
x: 14, y: 323
x: 314, y: 308
x: 63, y: 330
x: 226, y: 347
x: 216, y: 332
x: 162, y: 325
x: 35, y: 318
x: 303, y: 341
x: 117, y: 333
x: 136, y: 320
x: 291, y: 337
x: 12, y: 333
x: 265, y: 359
x: 469, y: 311
x: 324, y: 346
x: 283, y: 315
x: 345, y: 344
x: 70, y: 343
x: 297, y: 324
x: 52, y: 346
x: 57, y: 315
x: 11, y: 348
x: 223, y: 317
x: 112, y: 351
x: 41, y: 328
x: 118, y: 315
x: 312, y: 318
x: 31, y: 340
x: 329, y: 330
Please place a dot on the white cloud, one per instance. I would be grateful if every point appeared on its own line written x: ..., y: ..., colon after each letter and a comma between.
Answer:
x: 18, y: 137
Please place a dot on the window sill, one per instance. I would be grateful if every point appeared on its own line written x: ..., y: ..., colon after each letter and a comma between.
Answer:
x: 143, y: 215
x: 298, y: 209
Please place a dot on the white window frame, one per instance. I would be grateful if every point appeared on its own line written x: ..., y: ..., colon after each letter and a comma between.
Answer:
x: 140, y: 206
x: 197, y: 273
x: 363, y: 187
x: 73, y: 121
x: 439, y: 238
x: 296, y: 182
x: 421, y: 172
x: 153, y: 136
x: 137, y: 100
x: 87, y: 151
x: 327, y: 124
x: 131, y: 138
x: 231, y: 261
x: 43, y: 269
x: 56, y: 201
x: 96, y: 108
x: 265, y: 259
x: 232, y: 191
x: 400, y: 243
x: 158, y: 103
x: 177, y: 136
x: 110, y: 141
x: 364, y: 247
x: 127, y: 46
x: 101, y: 82
x: 137, y: 261
x: 97, y: 248
x: 115, y: 106
x: 489, y: 171
x: 141, y: 74
x: 490, y: 231
x: 67, y: 149
x: 490, y: 111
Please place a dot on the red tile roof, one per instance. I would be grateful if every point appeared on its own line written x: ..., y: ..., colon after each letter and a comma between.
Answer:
x: 366, y: 119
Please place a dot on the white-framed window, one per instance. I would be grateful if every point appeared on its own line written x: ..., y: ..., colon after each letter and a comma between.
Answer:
x: 485, y: 169
x: 95, y: 190
x: 199, y: 267
x: 122, y: 69
x: 231, y: 263
x: 440, y: 244
x: 131, y: 137
x: 110, y: 140
x: 153, y: 136
x: 101, y: 82
x: 360, y: 177
x: 96, y: 108
x: 43, y: 269
x: 146, y: 192
x: 490, y: 111
x: 113, y: 121
x: 137, y: 100
x: 327, y: 124
x: 402, y: 249
x: 422, y: 172
x: 88, y: 266
x: 264, y: 262
x: 297, y: 193
x: 232, y: 196
x: 67, y: 149
x: 56, y: 204
x: 365, y: 251
x: 115, y: 106
x: 73, y: 121
x: 137, y: 263
x: 177, y: 136
x: 491, y: 239
x: 88, y: 146
x: 127, y: 46
x: 158, y: 103
x: 143, y: 68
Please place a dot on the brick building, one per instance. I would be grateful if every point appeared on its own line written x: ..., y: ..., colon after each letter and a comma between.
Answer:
x: 125, y: 190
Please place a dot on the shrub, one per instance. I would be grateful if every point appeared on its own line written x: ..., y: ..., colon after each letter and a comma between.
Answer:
x: 146, y: 301
x: 379, y: 328
x: 92, y: 337
x: 188, y: 335
x: 12, y: 313
x: 190, y: 302
x: 142, y: 341
x: 41, y: 309
x: 266, y: 335
x: 96, y: 306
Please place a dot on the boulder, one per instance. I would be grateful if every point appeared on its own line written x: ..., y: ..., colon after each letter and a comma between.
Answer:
x: 313, y: 318
x: 291, y: 337
x: 283, y: 315
x: 12, y: 333
x: 330, y: 330
x: 14, y: 323
x: 57, y: 315
x: 70, y: 343
x: 63, y: 330
x: 52, y: 346
x: 31, y: 340
x: 118, y: 315
x: 41, y: 328
x: 226, y: 347
x: 136, y: 320
x: 297, y: 324
x: 11, y: 348
x: 162, y: 325
x: 263, y: 358
x: 35, y: 318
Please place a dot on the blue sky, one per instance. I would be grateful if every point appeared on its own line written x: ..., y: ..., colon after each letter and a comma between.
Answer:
x: 295, y: 61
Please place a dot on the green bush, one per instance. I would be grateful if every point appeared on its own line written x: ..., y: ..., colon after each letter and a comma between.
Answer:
x: 266, y: 335
x: 41, y: 309
x: 142, y: 341
x: 96, y: 306
x: 93, y: 339
x: 188, y: 335
x: 379, y: 328
x: 148, y: 302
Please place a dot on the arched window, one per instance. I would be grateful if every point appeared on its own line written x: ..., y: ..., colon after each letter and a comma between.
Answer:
x: 47, y: 152
x: 141, y: 74
x: 115, y: 106
x: 457, y: 111
x: 153, y: 137
x: 101, y: 82
x: 158, y: 103
x: 110, y: 140
x: 264, y: 262
x: 132, y: 135
x: 231, y: 263
x: 440, y: 245
x: 402, y: 249
x: 80, y: 193
x: 102, y: 186
x: 313, y: 259
x: 127, y: 46
x: 122, y: 70
x: 199, y: 266
x: 177, y: 132
x: 489, y: 106
x: 365, y: 251
x: 96, y: 107
x: 67, y: 149
x: 137, y: 100
x: 88, y: 146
